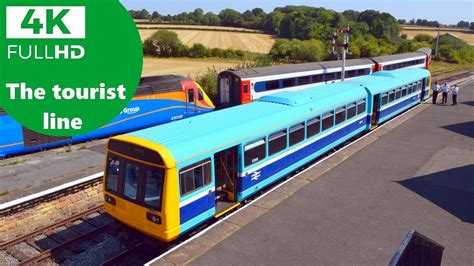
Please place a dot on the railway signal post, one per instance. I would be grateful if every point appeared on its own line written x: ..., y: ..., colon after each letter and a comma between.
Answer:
x: 345, y: 48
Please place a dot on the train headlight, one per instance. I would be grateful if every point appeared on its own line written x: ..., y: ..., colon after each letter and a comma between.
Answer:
x: 153, y: 218
x: 110, y: 200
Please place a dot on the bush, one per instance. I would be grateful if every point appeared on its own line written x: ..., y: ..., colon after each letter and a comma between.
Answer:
x: 162, y: 43
x: 423, y: 38
x: 208, y: 82
x: 198, y: 51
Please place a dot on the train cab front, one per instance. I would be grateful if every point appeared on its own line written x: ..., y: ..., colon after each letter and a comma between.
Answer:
x: 137, y: 189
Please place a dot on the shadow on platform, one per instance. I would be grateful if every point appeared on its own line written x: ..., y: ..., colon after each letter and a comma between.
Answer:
x: 452, y: 190
x: 471, y: 103
x: 466, y: 128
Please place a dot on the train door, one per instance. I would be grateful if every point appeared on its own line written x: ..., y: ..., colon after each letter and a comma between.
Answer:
x: 224, y: 87
x: 225, y: 172
x: 191, y: 100
x: 245, y: 91
x: 375, y: 111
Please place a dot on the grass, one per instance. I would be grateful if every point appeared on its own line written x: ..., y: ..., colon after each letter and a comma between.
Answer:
x: 18, y: 161
x: 438, y: 67
x: 4, y: 193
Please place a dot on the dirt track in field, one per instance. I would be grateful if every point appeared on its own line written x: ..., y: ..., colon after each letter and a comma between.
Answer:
x: 252, y: 42
x: 186, y: 67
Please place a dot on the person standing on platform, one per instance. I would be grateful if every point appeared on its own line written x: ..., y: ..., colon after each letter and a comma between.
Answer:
x: 436, y: 88
x: 455, y: 94
x: 445, y: 93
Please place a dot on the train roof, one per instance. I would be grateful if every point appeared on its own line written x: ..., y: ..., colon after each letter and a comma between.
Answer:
x: 378, y: 82
x: 294, y: 68
x: 186, y: 138
x: 396, y: 57
x: 160, y: 84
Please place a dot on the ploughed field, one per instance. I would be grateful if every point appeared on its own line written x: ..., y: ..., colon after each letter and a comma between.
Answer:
x: 182, y: 66
x: 412, y: 31
x: 244, y: 40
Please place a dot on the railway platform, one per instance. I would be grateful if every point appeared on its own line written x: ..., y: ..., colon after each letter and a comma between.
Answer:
x: 356, y: 206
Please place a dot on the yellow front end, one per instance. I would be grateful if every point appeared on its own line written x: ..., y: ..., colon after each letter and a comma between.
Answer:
x: 164, y: 224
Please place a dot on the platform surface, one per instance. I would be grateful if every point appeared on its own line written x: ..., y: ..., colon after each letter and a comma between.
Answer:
x: 420, y: 175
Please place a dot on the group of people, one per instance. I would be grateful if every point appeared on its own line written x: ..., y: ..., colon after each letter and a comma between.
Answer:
x: 445, y: 89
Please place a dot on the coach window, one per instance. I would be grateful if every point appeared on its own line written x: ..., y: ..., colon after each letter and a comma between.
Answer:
x: 131, y: 180
x: 201, y: 97
x: 360, y: 106
x: 340, y: 115
x: 313, y: 126
x: 398, y: 93
x: 351, y: 73
x: 385, y: 98
x: 330, y: 76
x: 351, y: 110
x: 317, y: 78
x: 409, y: 90
x: 254, y: 152
x: 288, y: 83
x: 391, y: 96
x: 328, y: 120
x: 195, y: 177
x: 246, y: 88
x: 154, y: 187
x: 191, y: 95
x: 277, y: 142
x: 272, y: 85
x: 113, y: 172
x: 419, y: 85
x: 303, y: 80
x: 296, y: 134
x: 404, y: 91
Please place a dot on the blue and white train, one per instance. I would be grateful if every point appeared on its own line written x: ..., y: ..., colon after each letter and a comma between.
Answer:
x: 166, y: 180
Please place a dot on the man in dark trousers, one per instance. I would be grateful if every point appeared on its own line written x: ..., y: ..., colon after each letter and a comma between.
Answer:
x: 455, y: 91
x: 445, y: 93
x: 436, y: 88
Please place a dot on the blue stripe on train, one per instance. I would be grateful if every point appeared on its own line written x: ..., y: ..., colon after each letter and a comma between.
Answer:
x: 393, y: 110
x: 196, y: 207
x: 314, y: 149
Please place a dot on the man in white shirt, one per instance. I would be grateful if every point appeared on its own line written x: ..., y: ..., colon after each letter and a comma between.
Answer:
x: 455, y: 94
x: 435, y: 88
x: 445, y: 93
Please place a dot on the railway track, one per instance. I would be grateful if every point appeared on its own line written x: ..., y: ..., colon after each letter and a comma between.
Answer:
x: 90, y: 234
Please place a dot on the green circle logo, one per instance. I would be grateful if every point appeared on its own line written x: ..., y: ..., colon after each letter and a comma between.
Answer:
x: 67, y: 67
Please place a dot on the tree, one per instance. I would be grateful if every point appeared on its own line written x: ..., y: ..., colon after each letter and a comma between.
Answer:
x: 230, y: 17
x: 423, y: 38
x: 212, y: 19
x: 155, y: 16
x: 198, y: 51
x: 463, y: 24
x: 162, y: 43
x: 472, y: 26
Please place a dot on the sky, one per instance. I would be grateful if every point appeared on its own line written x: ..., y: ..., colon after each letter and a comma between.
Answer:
x: 446, y: 12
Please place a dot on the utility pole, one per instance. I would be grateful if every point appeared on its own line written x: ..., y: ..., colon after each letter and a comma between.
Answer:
x: 437, y: 42
x: 345, y: 49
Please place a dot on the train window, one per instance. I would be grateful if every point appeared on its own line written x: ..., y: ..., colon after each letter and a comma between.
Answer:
x: 191, y: 95
x: 340, y: 115
x: 296, y: 134
x: 404, y: 91
x: 361, y: 106
x: 328, y: 120
x: 391, y: 96
x: 113, y: 171
x: 130, y: 189
x: 154, y: 188
x: 200, y: 96
x: 351, y: 73
x: 361, y: 72
x: 288, y: 83
x: 246, y: 88
x: 272, y: 85
x: 330, y: 76
x: 313, y: 127
x: 384, y: 98
x: 276, y: 142
x: 195, y: 177
x: 351, y: 110
x: 409, y: 89
x: 419, y: 86
x: 398, y: 93
x: 254, y: 152
x: 317, y: 78
x: 303, y: 80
